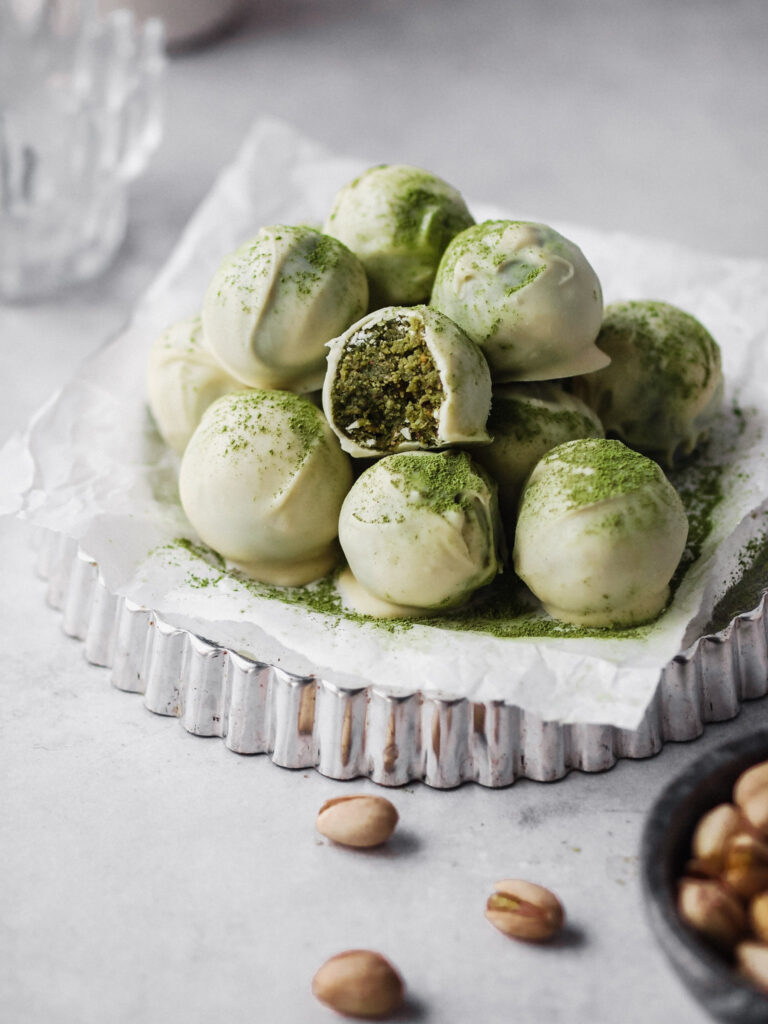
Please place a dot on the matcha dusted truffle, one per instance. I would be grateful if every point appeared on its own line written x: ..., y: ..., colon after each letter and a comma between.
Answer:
x: 262, y: 481
x: 398, y: 220
x: 183, y: 378
x: 664, y: 384
x: 527, y: 421
x: 526, y: 295
x: 420, y: 532
x: 406, y: 377
x: 274, y: 303
x: 600, y: 532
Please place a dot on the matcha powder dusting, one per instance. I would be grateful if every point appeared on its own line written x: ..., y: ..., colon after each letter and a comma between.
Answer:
x: 444, y: 480
x: 591, y: 471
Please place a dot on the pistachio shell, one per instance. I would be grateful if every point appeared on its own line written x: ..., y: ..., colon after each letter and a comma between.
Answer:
x: 752, y: 961
x: 712, y: 833
x: 712, y: 910
x: 358, y: 820
x: 359, y: 983
x: 524, y: 910
x: 758, y: 916
x: 751, y: 794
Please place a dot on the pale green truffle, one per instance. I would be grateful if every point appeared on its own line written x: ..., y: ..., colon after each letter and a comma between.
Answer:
x: 183, y: 379
x: 273, y: 305
x: 398, y: 220
x: 526, y: 295
x: 262, y: 481
x: 664, y: 384
x: 421, y: 529
x: 600, y: 532
x: 527, y: 421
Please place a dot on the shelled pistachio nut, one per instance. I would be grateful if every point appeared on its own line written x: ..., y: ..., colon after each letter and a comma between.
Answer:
x: 746, y: 864
x: 696, y: 868
x: 524, y: 910
x: 752, y: 962
x: 357, y: 820
x: 751, y: 794
x: 712, y: 910
x: 711, y: 835
x: 758, y: 916
x: 359, y: 983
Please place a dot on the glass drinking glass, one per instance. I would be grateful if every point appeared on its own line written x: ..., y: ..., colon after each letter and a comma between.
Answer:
x: 80, y: 114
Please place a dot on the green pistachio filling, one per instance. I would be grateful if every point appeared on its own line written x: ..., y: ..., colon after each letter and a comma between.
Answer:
x: 387, y: 389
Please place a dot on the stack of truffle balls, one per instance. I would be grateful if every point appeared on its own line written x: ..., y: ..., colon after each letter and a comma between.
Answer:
x: 433, y: 395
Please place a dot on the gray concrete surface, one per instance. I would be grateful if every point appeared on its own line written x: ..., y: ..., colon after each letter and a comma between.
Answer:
x: 150, y: 876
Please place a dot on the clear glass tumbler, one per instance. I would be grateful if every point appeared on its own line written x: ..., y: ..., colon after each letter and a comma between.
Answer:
x: 80, y: 114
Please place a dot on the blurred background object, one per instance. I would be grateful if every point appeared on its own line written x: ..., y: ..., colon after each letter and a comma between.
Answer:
x: 187, y: 22
x: 79, y: 117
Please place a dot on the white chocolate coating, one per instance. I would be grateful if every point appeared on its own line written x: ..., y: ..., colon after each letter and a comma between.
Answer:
x: 527, y: 296
x: 398, y: 220
x: 356, y: 598
x: 600, y: 532
x: 421, y: 530
x: 183, y: 378
x: 262, y: 481
x: 462, y: 413
x: 664, y: 384
x: 527, y: 421
x: 275, y: 302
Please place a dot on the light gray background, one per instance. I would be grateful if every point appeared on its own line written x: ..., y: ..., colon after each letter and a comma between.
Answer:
x: 148, y: 875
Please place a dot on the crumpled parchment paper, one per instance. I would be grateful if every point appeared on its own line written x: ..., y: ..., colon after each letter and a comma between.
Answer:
x: 92, y: 466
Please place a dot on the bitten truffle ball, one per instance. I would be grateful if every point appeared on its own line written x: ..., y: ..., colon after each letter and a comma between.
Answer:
x: 406, y: 377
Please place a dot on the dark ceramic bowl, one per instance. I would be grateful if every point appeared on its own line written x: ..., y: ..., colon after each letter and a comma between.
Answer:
x: 665, y: 849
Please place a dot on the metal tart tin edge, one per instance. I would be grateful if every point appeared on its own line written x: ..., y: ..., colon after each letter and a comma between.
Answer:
x: 344, y: 733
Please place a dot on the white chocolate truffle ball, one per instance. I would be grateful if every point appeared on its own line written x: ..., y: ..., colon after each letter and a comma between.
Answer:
x: 398, y: 221
x: 406, y: 377
x: 275, y: 302
x: 526, y: 295
x: 183, y: 378
x: 421, y: 529
x: 600, y: 532
x: 527, y: 421
x: 664, y: 384
x: 262, y: 481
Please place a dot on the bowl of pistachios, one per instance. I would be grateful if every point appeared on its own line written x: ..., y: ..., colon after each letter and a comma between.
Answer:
x: 704, y: 869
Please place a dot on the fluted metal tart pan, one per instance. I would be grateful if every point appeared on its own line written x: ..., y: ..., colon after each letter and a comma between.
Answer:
x: 346, y: 732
